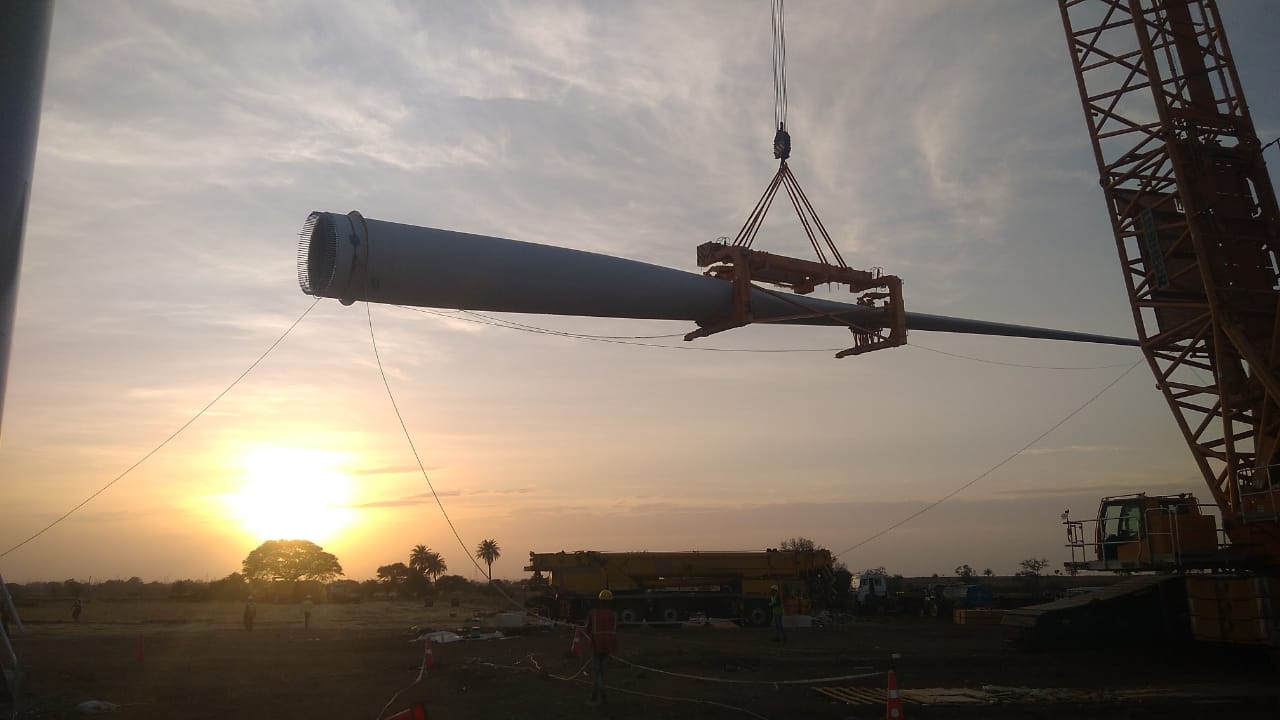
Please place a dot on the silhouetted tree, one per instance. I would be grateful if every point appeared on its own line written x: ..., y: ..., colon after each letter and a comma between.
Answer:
x: 436, y: 566
x: 231, y: 587
x: 418, y: 558
x: 396, y: 576
x: 798, y: 544
x: 1030, y: 572
x: 1031, y: 567
x: 453, y: 583
x: 427, y: 562
x: 182, y: 590
x: 488, y: 551
x: 290, y: 561
x: 964, y: 571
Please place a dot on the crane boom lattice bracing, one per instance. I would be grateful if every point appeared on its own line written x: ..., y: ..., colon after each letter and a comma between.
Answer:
x: 1196, y: 225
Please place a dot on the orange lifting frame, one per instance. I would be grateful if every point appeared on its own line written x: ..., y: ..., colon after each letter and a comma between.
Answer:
x: 743, y: 266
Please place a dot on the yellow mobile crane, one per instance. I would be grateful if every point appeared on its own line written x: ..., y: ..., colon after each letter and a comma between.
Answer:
x: 671, y: 586
x: 1196, y: 224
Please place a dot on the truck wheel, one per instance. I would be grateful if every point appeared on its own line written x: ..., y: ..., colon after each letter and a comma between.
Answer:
x: 757, y: 615
x: 670, y: 614
x: 631, y: 615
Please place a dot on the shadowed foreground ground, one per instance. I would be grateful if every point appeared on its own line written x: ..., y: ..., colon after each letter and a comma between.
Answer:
x: 196, y: 662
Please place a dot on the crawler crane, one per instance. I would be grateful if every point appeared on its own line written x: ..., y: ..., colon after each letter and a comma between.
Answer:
x: 1196, y: 224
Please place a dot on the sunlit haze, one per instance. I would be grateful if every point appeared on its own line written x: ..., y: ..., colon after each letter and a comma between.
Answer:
x: 183, y: 144
x: 292, y: 493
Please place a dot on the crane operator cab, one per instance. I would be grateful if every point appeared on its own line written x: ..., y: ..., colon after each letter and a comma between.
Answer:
x: 1149, y: 532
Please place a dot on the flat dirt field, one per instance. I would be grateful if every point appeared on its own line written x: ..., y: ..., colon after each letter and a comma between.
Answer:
x: 185, y: 660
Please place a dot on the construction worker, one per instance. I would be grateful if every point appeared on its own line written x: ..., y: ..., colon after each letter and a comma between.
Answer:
x: 250, y: 612
x: 306, y: 612
x: 76, y: 607
x: 776, y: 609
x: 602, y: 628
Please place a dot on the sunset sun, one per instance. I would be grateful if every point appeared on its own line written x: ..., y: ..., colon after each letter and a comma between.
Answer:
x: 292, y: 493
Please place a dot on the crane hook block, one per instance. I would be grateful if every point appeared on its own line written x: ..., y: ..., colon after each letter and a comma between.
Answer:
x: 782, y: 143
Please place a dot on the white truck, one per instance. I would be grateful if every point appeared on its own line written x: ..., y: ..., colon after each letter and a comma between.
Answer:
x: 870, y: 588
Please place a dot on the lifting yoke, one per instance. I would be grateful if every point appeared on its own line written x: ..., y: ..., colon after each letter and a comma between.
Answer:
x: 744, y: 267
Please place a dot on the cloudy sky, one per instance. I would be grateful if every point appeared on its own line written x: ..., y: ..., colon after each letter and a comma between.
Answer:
x: 184, y: 143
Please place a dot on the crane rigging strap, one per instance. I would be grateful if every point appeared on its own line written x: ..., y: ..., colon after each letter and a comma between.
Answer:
x: 809, y: 219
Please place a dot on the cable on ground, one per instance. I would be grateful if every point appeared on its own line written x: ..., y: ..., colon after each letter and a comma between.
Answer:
x: 615, y: 689
x: 422, y: 671
x: 737, y: 681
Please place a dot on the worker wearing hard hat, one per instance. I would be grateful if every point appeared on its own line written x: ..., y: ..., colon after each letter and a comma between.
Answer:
x: 775, y: 608
x: 602, y: 628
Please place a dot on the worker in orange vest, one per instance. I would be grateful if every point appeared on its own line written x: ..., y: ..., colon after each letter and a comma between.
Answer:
x: 602, y: 628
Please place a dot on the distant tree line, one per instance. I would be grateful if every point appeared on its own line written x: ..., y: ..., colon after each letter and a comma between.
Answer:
x: 287, y: 571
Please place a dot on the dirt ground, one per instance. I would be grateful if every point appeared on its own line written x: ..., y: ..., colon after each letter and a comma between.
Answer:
x: 195, y: 661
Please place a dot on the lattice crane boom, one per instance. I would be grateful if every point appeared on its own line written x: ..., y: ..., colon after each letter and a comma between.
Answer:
x: 1196, y: 224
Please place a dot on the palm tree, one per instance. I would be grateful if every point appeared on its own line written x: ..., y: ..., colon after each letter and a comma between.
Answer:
x: 435, y: 565
x: 418, y: 559
x: 488, y: 551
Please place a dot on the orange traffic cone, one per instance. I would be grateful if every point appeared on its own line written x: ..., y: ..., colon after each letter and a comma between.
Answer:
x: 428, y: 657
x: 893, y: 705
x: 576, y: 648
x: 417, y: 712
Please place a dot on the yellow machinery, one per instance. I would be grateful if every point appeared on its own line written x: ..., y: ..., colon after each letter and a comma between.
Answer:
x: 671, y: 586
x: 1196, y: 224
x: 1145, y: 532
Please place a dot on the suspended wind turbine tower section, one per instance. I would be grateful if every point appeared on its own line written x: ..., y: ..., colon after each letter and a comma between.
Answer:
x: 352, y: 258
